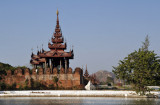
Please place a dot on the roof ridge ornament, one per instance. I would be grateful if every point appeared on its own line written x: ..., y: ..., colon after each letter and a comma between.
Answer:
x: 37, y: 49
x: 86, y: 66
x: 32, y: 49
x: 57, y: 12
x: 42, y: 46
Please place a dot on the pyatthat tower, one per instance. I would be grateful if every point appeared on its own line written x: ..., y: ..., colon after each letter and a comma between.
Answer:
x: 56, y: 57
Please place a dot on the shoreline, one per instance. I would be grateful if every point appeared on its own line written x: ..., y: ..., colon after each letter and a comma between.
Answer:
x: 76, y: 93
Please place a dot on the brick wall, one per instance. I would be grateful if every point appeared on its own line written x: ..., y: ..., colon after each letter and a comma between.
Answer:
x: 66, y: 80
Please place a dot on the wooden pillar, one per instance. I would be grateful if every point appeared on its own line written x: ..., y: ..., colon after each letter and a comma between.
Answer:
x: 60, y: 63
x: 50, y: 65
x: 45, y: 65
x: 66, y: 65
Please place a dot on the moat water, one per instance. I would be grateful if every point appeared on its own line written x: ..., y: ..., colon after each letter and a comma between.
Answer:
x: 77, y: 101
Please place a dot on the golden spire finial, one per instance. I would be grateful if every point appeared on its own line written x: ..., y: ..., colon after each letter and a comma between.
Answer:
x: 32, y: 50
x: 57, y: 12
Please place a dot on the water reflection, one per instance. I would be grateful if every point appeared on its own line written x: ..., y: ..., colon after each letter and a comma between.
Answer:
x: 77, y: 101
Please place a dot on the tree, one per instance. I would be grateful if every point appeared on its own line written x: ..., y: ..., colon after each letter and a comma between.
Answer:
x: 109, y: 81
x: 145, y: 44
x: 140, y: 68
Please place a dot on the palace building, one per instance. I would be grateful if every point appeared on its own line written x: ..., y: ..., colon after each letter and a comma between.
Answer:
x: 50, y: 67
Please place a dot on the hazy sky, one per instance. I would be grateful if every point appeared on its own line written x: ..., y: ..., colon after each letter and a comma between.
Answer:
x: 102, y: 31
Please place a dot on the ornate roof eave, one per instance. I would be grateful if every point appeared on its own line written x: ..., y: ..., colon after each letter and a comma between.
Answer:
x: 43, y: 50
x: 58, y: 46
x: 42, y: 60
x: 56, y: 56
x: 34, y: 62
x: 37, y: 61
x: 32, y: 55
x: 57, y: 40
x: 58, y: 34
x: 35, y: 58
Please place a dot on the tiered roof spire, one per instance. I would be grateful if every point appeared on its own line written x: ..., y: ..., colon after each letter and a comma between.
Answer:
x: 56, y: 46
x: 86, y: 74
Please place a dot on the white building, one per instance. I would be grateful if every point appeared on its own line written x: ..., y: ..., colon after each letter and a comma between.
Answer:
x: 90, y: 86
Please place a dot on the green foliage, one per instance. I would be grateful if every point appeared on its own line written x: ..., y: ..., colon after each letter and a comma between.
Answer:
x: 4, y: 67
x: 3, y: 86
x: 13, y: 86
x: 51, y: 87
x: 75, y: 88
x: 36, y: 85
x: 20, y: 88
x: 145, y: 44
x: 110, y: 80
x: 141, y: 68
x: 55, y: 80
x: 32, y: 83
x: 26, y: 86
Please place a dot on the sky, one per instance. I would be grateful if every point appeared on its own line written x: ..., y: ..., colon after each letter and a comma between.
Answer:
x: 102, y: 32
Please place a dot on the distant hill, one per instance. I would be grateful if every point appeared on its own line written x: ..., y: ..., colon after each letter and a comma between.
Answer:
x: 102, y: 75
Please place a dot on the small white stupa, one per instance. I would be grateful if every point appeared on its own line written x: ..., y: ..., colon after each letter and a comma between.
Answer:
x: 90, y: 86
